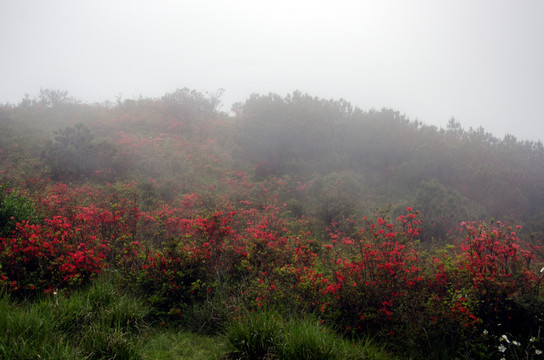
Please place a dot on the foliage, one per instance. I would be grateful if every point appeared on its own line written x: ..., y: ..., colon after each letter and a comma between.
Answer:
x: 96, y: 323
x: 186, y: 104
x: 277, y: 133
x: 73, y: 155
x: 267, y: 335
x: 171, y: 344
x: 443, y: 209
x: 55, y: 255
x: 503, y: 279
x: 220, y: 223
x: 14, y: 208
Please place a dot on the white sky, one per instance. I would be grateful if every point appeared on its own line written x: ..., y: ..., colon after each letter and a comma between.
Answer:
x: 480, y: 61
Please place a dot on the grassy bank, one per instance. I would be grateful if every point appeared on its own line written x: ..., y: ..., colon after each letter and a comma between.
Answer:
x: 104, y: 322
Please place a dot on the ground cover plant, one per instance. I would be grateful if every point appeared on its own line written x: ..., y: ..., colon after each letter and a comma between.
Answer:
x: 95, y: 323
x: 270, y: 252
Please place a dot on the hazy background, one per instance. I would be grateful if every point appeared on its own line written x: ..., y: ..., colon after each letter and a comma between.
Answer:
x: 481, y: 62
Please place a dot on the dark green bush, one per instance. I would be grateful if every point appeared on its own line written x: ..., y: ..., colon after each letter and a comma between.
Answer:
x: 15, y: 207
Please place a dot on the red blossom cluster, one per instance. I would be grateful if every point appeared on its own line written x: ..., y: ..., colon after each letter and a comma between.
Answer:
x: 374, y: 279
x: 495, y: 260
x: 50, y: 256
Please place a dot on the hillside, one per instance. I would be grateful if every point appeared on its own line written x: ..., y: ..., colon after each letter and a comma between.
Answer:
x: 375, y: 225
x: 326, y: 159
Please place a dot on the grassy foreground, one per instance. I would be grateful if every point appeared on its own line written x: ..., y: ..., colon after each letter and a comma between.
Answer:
x: 104, y: 322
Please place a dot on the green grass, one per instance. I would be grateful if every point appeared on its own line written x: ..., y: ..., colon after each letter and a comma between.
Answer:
x: 257, y: 336
x: 95, y: 323
x: 99, y: 322
x: 164, y: 344
x: 29, y: 333
x: 266, y: 335
x: 103, y: 322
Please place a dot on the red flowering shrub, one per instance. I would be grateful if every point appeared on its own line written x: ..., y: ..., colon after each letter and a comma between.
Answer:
x: 108, y: 213
x: 170, y: 279
x: 376, y: 278
x: 283, y: 273
x: 54, y: 255
x: 488, y: 285
x: 495, y: 261
x: 371, y: 280
x: 187, y: 269
x: 502, y: 275
x: 116, y: 227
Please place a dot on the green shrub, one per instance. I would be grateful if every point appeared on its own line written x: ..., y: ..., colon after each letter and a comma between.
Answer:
x: 15, y: 207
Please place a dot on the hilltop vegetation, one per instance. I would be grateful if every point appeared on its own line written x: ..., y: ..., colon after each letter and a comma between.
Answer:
x: 427, y: 239
x: 348, y: 162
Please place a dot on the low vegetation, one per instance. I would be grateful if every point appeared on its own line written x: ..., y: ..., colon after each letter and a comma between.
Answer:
x: 298, y: 229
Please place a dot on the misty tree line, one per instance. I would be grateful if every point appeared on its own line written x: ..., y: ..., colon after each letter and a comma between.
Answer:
x: 451, y: 174
x: 350, y: 161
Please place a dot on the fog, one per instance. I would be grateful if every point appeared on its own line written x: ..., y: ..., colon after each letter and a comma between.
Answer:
x: 477, y: 61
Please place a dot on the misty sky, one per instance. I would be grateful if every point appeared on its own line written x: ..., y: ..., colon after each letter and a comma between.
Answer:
x: 480, y: 61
